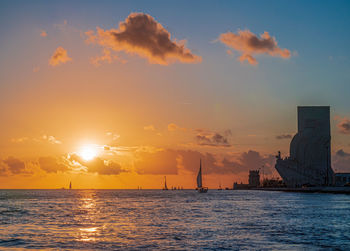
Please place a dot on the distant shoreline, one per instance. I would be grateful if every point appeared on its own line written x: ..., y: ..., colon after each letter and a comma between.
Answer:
x: 331, y: 190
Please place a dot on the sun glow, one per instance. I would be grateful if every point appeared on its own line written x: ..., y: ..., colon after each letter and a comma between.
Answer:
x: 88, y: 152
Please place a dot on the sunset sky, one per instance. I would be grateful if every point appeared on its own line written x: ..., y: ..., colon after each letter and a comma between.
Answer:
x: 110, y: 94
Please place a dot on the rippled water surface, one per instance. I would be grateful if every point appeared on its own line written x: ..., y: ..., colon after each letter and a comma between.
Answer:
x: 152, y: 219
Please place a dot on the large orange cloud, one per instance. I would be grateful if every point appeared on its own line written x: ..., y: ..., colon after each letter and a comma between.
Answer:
x: 169, y: 161
x: 60, y: 56
x: 250, y: 44
x: 51, y: 165
x: 98, y: 165
x: 14, y: 165
x: 141, y: 34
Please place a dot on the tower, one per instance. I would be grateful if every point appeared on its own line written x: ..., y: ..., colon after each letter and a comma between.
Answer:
x: 309, y: 161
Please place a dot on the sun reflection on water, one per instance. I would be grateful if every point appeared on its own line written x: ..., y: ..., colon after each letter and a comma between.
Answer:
x: 88, y: 234
x: 89, y: 213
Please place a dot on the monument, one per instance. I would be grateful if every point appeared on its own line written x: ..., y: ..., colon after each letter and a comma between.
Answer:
x: 309, y: 161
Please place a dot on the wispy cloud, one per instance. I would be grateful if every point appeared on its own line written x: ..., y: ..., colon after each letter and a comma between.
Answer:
x: 43, y: 139
x: 250, y: 44
x: 51, y: 139
x: 149, y: 128
x: 142, y: 35
x: 344, y: 126
x: 341, y: 153
x: 113, y: 136
x: 174, y: 127
x: 284, y: 136
x: 106, y: 57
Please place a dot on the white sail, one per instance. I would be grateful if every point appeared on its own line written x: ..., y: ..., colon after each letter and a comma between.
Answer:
x: 199, y: 176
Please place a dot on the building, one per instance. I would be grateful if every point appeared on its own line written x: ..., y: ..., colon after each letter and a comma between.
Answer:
x: 240, y: 186
x: 309, y: 161
x: 253, y: 181
x: 342, y: 179
x: 254, y: 178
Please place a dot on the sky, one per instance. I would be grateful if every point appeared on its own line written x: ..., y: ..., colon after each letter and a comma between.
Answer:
x: 119, y: 94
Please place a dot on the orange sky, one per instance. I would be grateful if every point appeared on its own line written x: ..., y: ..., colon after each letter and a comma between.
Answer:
x: 124, y: 100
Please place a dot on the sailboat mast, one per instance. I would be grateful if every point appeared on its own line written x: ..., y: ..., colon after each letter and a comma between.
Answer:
x: 199, y: 176
x: 165, y: 186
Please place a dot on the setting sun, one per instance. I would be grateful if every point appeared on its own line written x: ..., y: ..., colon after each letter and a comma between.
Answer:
x: 88, y: 152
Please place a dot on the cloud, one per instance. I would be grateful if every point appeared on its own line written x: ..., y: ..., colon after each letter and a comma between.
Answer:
x: 142, y: 35
x: 251, y: 60
x: 159, y: 162
x: 60, y: 56
x: 43, y: 33
x: 250, y: 44
x: 3, y: 169
x: 114, y: 136
x: 149, y: 128
x: 43, y: 139
x: 254, y: 160
x: 341, y: 153
x: 173, y: 127
x: 51, y: 165
x: 344, y: 126
x: 19, y: 140
x: 15, y: 166
x: 98, y: 165
x: 51, y: 139
x: 341, y: 161
x: 208, y: 138
x: 170, y: 161
x: 284, y: 136
x: 105, y: 57
x: 251, y: 160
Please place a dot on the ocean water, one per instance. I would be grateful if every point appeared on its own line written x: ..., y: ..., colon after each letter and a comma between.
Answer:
x: 181, y: 220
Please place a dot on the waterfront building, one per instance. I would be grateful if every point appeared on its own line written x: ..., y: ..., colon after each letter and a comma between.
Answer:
x: 342, y: 179
x: 254, y: 178
x: 309, y: 160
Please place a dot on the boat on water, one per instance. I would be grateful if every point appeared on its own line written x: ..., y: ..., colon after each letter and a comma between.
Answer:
x: 165, y: 186
x: 200, y: 187
x: 220, y: 188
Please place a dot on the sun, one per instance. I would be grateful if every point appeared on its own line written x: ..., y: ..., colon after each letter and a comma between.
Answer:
x: 88, y: 152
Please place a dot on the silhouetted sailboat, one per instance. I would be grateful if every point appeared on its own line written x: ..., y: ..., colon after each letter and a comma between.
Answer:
x: 165, y: 186
x: 220, y: 188
x: 200, y: 187
x: 70, y: 185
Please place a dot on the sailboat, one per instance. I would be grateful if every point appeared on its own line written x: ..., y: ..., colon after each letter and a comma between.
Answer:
x: 165, y: 186
x: 220, y: 188
x: 200, y: 187
x: 70, y: 185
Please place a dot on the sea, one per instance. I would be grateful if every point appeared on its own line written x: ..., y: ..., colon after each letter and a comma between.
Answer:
x: 173, y: 220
